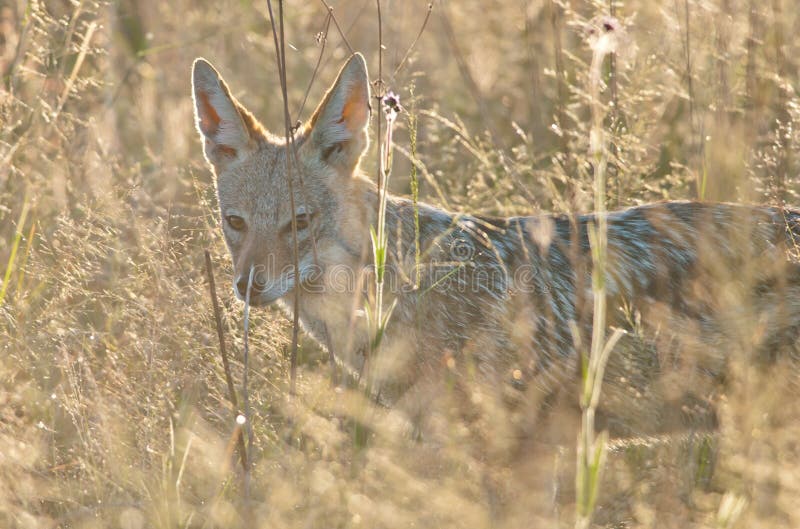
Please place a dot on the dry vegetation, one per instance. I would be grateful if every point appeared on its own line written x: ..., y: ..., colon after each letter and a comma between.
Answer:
x: 113, y: 402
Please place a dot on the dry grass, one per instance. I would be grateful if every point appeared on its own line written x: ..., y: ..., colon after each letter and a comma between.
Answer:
x: 113, y: 401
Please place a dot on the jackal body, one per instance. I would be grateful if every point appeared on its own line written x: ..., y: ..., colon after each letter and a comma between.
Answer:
x: 497, y: 294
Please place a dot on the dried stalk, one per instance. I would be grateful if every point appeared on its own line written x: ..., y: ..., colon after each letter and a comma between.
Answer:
x: 223, y: 351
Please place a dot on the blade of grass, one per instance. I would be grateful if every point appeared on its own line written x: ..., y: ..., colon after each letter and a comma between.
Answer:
x: 25, y: 255
x: 14, y: 248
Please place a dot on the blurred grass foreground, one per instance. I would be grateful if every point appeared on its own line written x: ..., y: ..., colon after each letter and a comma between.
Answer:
x: 114, y: 407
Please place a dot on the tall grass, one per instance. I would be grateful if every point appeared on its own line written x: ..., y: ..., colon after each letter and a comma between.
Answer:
x: 114, y: 405
x: 377, y: 316
x: 605, y: 35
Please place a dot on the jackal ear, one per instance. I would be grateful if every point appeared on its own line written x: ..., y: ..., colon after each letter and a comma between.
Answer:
x: 228, y: 130
x: 338, y: 128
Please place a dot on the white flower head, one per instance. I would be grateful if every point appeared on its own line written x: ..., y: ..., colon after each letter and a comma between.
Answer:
x: 606, y: 35
x: 391, y: 105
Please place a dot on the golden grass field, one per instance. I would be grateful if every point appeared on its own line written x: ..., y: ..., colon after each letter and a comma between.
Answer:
x: 114, y: 408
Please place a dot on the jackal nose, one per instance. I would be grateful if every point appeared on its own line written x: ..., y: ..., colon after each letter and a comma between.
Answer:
x: 241, y: 286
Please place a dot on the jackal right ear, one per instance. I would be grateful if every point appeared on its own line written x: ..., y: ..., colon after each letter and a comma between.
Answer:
x: 338, y: 128
x: 228, y: 130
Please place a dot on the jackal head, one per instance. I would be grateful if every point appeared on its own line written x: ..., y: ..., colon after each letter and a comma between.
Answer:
x: 262, y: 205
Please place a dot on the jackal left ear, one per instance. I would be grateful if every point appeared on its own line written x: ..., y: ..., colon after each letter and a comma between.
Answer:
x: 227, y: 128
x: 338, y: 127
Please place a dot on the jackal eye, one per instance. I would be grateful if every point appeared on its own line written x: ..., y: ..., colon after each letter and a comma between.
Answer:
x: 330, y: 151
x: 303, y: 220
x: 235, y: 222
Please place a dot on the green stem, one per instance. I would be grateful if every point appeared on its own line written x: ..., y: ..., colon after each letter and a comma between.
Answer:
x: 14, y: 248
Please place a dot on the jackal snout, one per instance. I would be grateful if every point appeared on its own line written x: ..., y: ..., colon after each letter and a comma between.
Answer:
x: 268, y: 285
x: 256, y: 289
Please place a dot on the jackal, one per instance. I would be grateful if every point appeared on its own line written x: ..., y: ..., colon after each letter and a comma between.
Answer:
x: 497, y: 299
